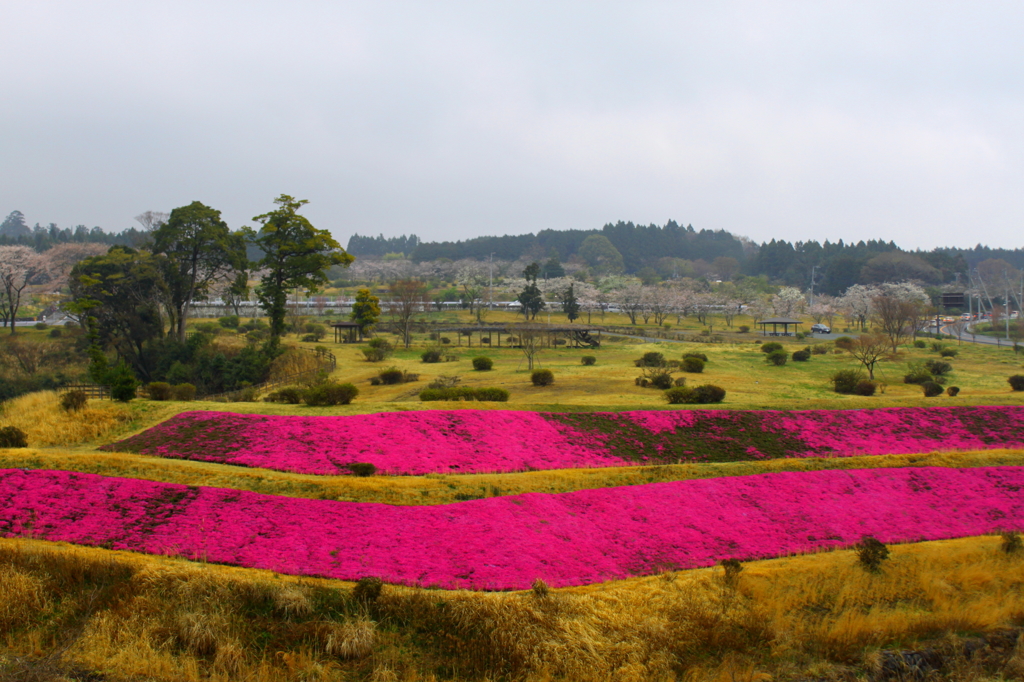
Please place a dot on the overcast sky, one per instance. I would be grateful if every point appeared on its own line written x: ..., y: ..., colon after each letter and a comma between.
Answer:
x: 806, y: 120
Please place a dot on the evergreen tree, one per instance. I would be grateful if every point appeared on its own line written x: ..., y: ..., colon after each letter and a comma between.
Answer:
x: 530, y: 298
x: 365, y: 311
x: 570, y: 305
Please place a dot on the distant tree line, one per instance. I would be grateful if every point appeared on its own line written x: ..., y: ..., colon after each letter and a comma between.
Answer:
x: 650, y: 252
x: 381, y: 245
x: 14, y: 232
x: 639, y: 245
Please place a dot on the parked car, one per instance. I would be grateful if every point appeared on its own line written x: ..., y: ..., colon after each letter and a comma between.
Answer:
x: 820, y: 329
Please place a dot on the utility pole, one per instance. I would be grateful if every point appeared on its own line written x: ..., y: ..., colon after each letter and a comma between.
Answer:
x: 813, y: 268
x: 1006, y: 305
x: 490, y: 279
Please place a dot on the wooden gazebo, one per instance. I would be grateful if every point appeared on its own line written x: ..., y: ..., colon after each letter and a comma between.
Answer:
x: 347, y: 332
x: 786, y: 322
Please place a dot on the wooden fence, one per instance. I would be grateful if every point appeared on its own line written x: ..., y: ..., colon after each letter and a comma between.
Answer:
x: 90, y: 390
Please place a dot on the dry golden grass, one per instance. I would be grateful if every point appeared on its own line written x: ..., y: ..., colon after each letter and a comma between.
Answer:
x: 45, y: 423
x: 818, y: 614
x: 444, y: 488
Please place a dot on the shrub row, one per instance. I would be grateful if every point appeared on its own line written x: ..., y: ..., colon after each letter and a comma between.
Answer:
x: 498, y: 395
x: 319, y: 395
x: 161, y: 390
x: 708, y: 393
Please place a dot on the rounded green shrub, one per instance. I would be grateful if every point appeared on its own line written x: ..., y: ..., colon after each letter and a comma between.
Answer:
x: 544, y: 377
x: 709, y: 393
x: 184, y: 392
x: 56, y: 333
x: 482, y: 363
x: 693, y: 365
x: 871, y: 553
x: 362, y: 468
x: 938, y: 367
x: 801, y: 355
x: 949, y: 352
x: 865, y: 388
x: 13, y: 437
x: 1016, y: 382
x: 695, y: 354
x: 651, y: 359
x: 744, y: 328
x: 588, y: 360
x: 330, y: 394
x: 771, y: 347
x: 378, y: 349
x: 680, y: 395
x: 431, y: 355
x: 159, y: 390
x: 777, y: 358
x: 917, y: 375
x: 919, y: 343
x: 391, y: 375
x: 931, y: 389
x: 953, y: 391
x: 845, y: 381
x: 680, y: 381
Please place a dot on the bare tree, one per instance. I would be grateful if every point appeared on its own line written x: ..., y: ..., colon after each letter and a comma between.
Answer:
x: 870, y: 349
x: 895, y: 318
x: 959, y: 328
x: 529, y: 342
x: 473, y: 278
x: 151, y: 220
x: 408, y: 297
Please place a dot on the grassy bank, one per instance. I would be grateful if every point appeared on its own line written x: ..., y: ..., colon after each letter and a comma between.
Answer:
x: 819, y: 615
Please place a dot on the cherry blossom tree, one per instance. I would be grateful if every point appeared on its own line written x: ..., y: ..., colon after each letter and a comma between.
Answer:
x: 20, y: 268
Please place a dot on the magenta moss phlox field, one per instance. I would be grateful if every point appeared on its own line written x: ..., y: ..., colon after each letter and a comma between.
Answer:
x: 476, y: 441
x: 507, y: 542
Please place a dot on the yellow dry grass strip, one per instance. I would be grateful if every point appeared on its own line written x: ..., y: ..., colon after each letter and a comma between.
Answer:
x: 45, y: 423
x: 443, y: 488
x: 170, y: 619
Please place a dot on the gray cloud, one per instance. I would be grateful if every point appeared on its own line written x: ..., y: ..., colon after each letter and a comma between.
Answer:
x: 792, y: 120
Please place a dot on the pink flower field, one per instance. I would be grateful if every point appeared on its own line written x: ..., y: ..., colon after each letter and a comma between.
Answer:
x: 474, y: 441
x: 507, y: 542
